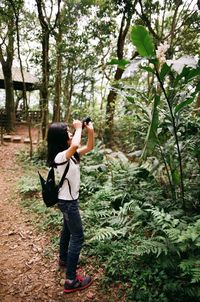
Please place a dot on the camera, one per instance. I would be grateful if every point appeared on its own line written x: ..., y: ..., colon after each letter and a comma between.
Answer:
x: 86, y: 120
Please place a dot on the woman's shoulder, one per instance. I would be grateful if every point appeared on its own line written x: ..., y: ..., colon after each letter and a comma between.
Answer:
x: 60, y: 157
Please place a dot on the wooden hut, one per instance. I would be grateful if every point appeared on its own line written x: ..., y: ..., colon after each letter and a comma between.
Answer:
x: 31, y: 82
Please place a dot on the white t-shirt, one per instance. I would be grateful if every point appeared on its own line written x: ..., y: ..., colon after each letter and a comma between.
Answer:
x: 73, y: 176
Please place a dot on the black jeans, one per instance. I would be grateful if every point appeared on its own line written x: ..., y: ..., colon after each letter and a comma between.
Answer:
x: 72, y: 237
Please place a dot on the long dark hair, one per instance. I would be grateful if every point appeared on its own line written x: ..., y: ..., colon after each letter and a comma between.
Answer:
x: 57, y: 138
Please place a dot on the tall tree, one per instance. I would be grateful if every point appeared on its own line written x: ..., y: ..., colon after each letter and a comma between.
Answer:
x: 85, y: 31
x: 45, y: 14
x: 17, y: 7
x: 7, y: 38
x: 58, y: 77
x: 127, y: 9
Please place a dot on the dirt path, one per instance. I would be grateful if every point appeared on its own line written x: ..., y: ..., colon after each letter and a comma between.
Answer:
x: 25, y: 273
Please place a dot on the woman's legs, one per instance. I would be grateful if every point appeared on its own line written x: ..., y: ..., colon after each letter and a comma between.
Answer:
x: 64, y: 243
x: 76, y: 239
x: 72, y: 236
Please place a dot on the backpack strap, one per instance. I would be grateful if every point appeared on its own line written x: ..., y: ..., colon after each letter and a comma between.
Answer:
x: 60, y: 164
x: 70, y: 191
x: 64, y: 174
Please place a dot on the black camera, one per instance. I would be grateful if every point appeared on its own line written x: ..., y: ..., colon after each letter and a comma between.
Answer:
x: 86, y: 120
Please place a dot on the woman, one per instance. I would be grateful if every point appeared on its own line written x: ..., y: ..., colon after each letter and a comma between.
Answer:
x: 64, y: 147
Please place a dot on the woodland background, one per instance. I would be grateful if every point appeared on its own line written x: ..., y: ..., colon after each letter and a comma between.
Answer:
x: 133, y: 66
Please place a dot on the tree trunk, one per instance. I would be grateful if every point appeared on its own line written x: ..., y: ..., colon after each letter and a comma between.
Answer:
x: 44, y: 94
x: 68, y: 90
x: 110, y: 110
x: 6, y: 59
x: 47, y: 28
x: 19, y: 97
x: 45, y: 82
x: 111, y: 99
x: 10, y: 105
x: 57, y: 101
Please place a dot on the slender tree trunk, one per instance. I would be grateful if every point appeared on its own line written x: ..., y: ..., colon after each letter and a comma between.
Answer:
x: 110, y: 110
x: 18, y: 99
x: 10, y: 105
x: 57, y: 100
x: 111, y: 99
x: 47, y: 28
x: 16, y: 9
x: 6, y: 59
x: 68, y: 90
x: 44, y: 93
x: 45, y: 81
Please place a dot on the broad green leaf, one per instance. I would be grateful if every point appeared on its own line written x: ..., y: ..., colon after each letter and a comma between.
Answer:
x: 193, y: 73
x: 154, y: 61
x: 151, y: 139
x: 142, y: 40
x: 188, y: 74
x: 184, y: 103
x: 130, y: 99
x: 121, y: 63
x: 198, y: 87
x: 164, y: 71
x: 176, y: 177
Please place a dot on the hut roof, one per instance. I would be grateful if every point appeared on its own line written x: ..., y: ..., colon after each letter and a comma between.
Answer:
x: 29, y: 79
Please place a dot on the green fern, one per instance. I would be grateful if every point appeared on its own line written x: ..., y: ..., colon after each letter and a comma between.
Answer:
x: 128, y: 215
x: 149, y: 246
x: 29, y: 184
x: 107, y: 233
x: 163, y: 219
x: 105, y: 214
x: 191, y: 267
x: 192, y: 233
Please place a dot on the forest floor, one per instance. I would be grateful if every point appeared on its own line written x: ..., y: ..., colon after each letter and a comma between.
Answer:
x: 26, y: 274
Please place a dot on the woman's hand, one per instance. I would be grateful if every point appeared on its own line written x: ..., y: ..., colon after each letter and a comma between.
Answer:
x: 90, y: 139
x: 76, y: 139
x: 77, y: 124
x: 89, y: 127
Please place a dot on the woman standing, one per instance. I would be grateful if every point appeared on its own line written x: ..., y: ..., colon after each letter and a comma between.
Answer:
x: 63, y: 147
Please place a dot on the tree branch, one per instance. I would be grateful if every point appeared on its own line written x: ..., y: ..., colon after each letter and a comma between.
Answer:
x: 146, y: 21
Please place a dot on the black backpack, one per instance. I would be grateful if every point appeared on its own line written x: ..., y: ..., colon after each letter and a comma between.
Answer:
x: 50, y: 189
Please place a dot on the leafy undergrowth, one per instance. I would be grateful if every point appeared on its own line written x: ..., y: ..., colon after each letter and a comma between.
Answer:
x: 142, y: 245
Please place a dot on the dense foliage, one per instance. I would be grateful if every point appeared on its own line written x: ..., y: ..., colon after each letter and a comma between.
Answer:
x: 141, y: 236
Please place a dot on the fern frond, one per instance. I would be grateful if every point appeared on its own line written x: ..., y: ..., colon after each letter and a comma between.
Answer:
x: 149, y: 246
x: 191, y: 267
x: 129, y: 213
x: 107, y: 233
x: 191, y: 233
x: 105, y: 214
x: 173, y: 234
x: 165, y: 220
